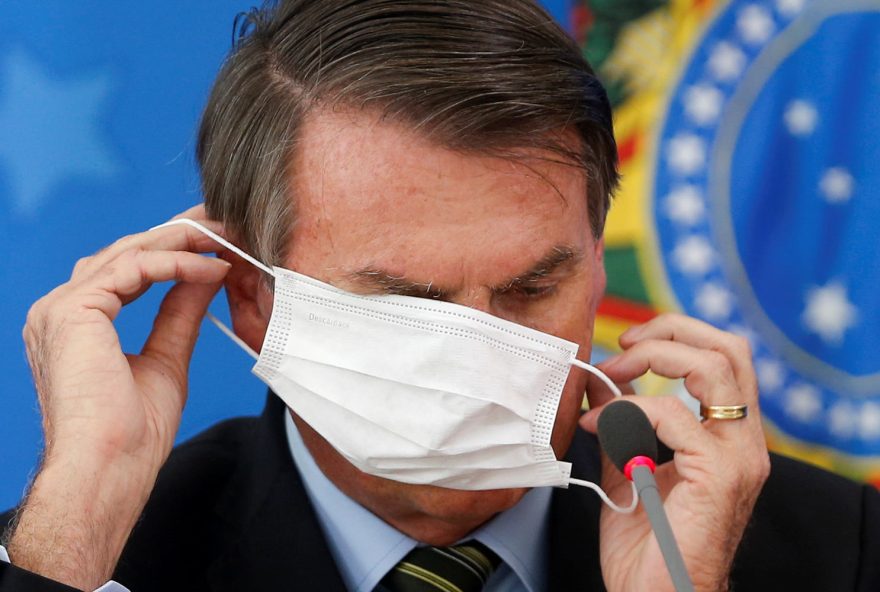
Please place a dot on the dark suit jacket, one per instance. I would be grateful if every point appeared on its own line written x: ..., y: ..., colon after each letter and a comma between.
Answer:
x: 229, y: 512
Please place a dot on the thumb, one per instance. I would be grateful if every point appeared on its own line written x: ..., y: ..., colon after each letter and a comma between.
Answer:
x: 589, y: 420
x: 176, y: 328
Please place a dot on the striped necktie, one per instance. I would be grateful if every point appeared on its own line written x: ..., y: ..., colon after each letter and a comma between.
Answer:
x: 462, y: 568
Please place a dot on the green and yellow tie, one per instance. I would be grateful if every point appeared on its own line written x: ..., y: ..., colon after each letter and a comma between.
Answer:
x: 462, y: 568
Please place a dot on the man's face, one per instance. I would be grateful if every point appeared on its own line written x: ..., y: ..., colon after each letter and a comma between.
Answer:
x: 380, y: 209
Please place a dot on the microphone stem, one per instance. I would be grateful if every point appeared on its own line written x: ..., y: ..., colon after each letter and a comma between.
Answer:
x: 647, y: 488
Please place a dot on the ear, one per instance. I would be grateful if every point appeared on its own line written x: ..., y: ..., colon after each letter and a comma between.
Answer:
x: 250, y: 301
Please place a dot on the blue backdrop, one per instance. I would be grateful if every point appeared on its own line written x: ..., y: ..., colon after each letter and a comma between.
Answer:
x: 99, y: 103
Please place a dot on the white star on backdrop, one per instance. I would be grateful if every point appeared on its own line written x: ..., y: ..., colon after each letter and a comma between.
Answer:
x: 803, y: 402
x: 684, y: 205
x: 843, y: 420
x: 755, y: 24
x: 801, y: 118
x: 789, y: 8
x: 727, y: 61
x: 836, y: 185
x: 829, y: 313
x: 693, y: 256
x: 50, y: 130
x: 714, y: 302
x: 703, y: 103
x: 771, y: 375
x: 686, y: 154
x: 869, y: 421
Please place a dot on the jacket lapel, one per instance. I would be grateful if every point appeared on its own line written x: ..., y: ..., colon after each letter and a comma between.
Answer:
x: 574, y: 523
x: 274, y: 540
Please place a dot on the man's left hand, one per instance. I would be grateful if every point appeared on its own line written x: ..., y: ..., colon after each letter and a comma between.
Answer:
x: 710, y: 488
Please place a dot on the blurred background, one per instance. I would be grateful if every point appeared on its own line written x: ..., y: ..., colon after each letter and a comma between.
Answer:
x: 749, y: 133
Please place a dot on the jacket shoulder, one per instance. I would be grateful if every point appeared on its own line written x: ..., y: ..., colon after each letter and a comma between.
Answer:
x: 810, y: 530
x: 197, y: 465
x: 178, y: 520
x: 194, y: 465
x: 179, y: 532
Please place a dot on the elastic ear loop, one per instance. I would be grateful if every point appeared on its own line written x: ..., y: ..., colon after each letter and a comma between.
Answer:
x: 604, y: 496
x: 598, y: 374
x: 228, y: 332
x: 589, y: 484
x: 219, y: 239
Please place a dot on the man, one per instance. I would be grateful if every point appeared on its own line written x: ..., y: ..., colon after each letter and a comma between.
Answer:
x: 455, y: 151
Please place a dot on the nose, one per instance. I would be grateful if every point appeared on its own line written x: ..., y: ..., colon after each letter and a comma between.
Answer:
x: 478, y: 298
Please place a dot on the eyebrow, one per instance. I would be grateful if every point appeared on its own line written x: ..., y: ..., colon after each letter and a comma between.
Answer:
x: 382, y: 282
x: 376, y: 280
x: 558, y: 259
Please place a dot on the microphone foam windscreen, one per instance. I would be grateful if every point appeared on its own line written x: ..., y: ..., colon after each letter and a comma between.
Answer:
x: 626, y: 432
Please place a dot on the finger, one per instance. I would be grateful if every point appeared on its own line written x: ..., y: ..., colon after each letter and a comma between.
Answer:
x: 169, y: 238
x: 197, y: 212
x: 674, y: 423
x: 131, y: 275
x: 598, y: 392
x: 696, y: 333
x: 176, y: 329
x: 707, y: 374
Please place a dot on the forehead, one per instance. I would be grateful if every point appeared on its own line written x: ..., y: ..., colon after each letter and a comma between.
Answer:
x: 370, y: 192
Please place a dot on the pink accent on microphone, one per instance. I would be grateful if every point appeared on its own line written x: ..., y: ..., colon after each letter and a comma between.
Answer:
x: 638, y: 461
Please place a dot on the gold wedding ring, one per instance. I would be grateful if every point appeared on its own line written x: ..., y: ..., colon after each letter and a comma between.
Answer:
x: 724, y: 411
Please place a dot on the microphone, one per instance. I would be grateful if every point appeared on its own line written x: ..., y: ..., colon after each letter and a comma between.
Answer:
x: 628, y: 439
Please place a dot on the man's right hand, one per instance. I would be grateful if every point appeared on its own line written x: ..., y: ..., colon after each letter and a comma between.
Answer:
x: 109, y: 418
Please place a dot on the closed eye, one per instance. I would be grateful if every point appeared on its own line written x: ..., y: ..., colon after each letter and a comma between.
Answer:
x: 532, y: 292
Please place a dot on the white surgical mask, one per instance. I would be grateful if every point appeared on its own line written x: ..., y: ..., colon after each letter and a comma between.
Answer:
x: 415, y: 390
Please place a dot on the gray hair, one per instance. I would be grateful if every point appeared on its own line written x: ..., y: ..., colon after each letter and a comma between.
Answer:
x: 489, y: 77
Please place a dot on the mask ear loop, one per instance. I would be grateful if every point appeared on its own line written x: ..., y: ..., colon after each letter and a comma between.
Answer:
x: 218, y: 239
x: 604, y: 496
x: 598, y: 374
x: 222, y: 241
x: 635, y: 494
x: 228, y: 332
